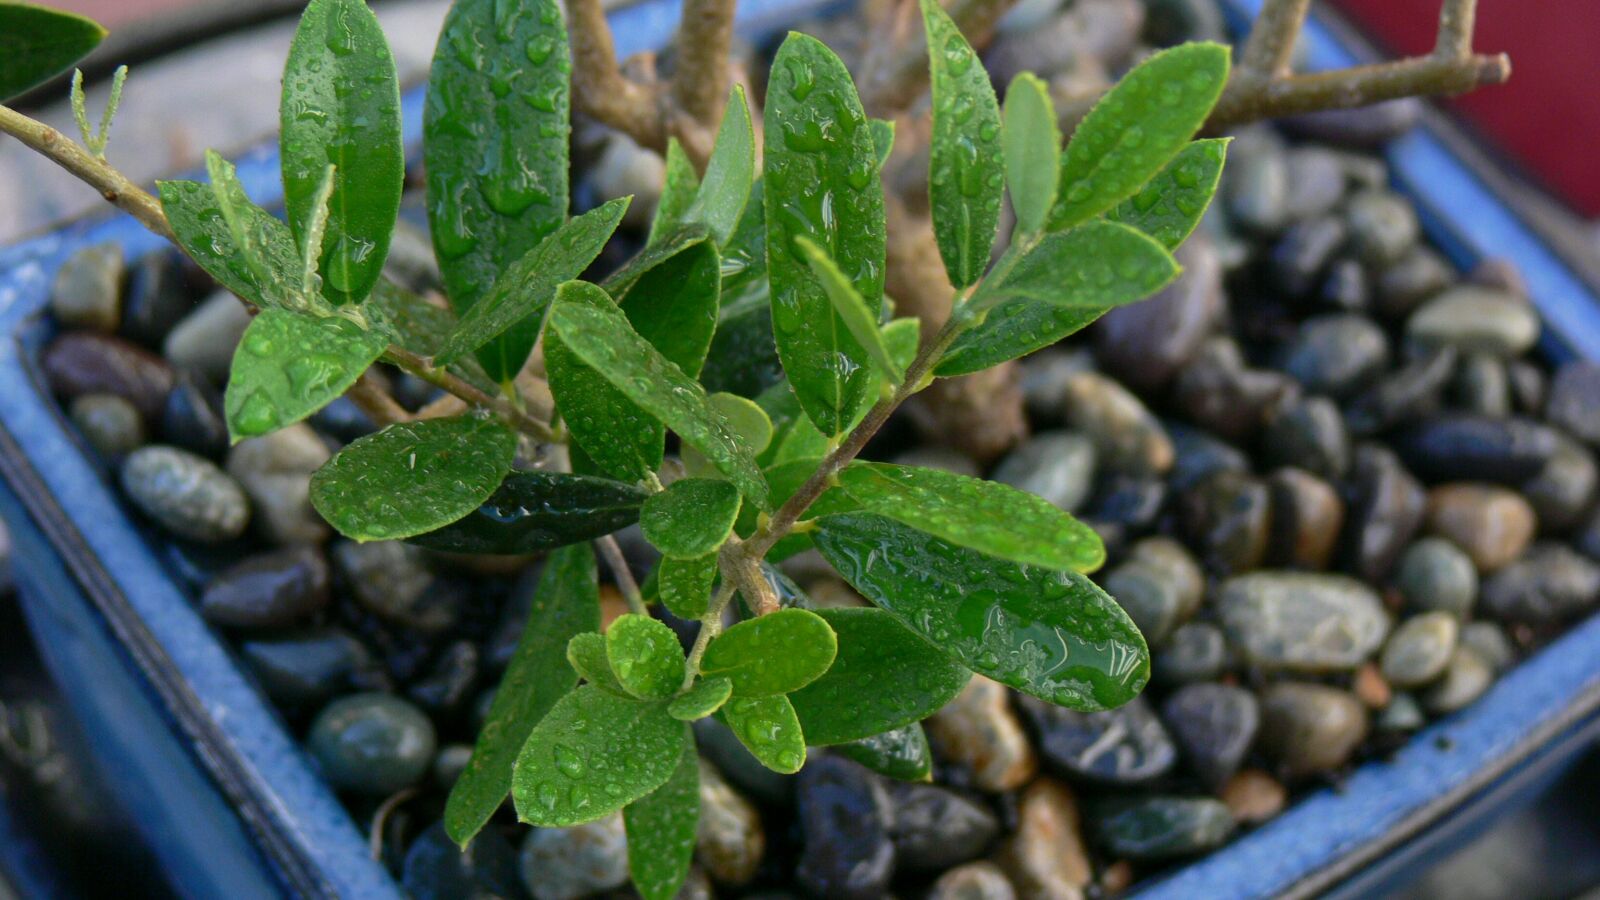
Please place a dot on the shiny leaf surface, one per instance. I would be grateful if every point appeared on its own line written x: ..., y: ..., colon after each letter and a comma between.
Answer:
x: 767, y: 727
x: 1170, y: 206
x: 901, y: 754
x: 772, y: 654
x: 661, y: 830
x: 722, y: 197
x: 1032, y: 146
x: 37, y: 44
x: 686, y: 583
x: 645, y: 656
x: 852, y: 310
x: 705, y: 698
x: 966, y: 164
x: 288, y: 366
x: 533, y: 511
x: 691, y: 518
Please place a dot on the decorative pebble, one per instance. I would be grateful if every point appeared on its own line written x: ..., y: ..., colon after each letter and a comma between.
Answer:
x: 268, y: 590
x: 978, y: 731
x: 1418, y: 274
x: 1302, y: 622
x: 1435, y: 574
x: 729, y: 841
x: 1308, y: 433
x: 1056, y: 465
x: 1164, y: 827
x: 87, y: 293
x: 185, y: 494
x: 1564, y: 490
x: 1383, y: 225
x: 204, y: 340
x: 1253, y: 796
x: 935, y: 828
x: 372, y: 744
x: 1228, y: 519
x: 568, y: 863
x: 1214, y: 725
x: 1129, y: 439
x: 1481, y: 386
x: 1336, y: 354
x: 1550, y: 584
x: 1385, y: 507
x: 1126, y: 745
x: 1307, y: 516
x: 1475, y: 320
x: 973, y: 881
x: 1145, y: 344
x: 302, y: 669
x: 1045, y: 856
x: 1403, y: 714
x: 1146, y: 595
x: 1489, y: 641
x: 192, y: 417
x: 1299, y: 258
x: 844, y: 818
x: 158, y: 295
x: 1257, y: 188
x: 1419, y: 649
x: 1574, y: 401
x: 1492, y: 524
x: 436, y: 869
x: 275, y: 470
x: 111, y: 425
x: 1477, y: 448
x: 79, y: 363
x: 1310, y: 728
x: 1195, y: 652
x: 1221, y: 394
x: 392, y: 580
x: 448, y: 685
x: 1465, y: 679
x: 1405, y: 395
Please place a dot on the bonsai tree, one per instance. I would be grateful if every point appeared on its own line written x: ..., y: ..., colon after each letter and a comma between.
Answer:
x: 964, y: 575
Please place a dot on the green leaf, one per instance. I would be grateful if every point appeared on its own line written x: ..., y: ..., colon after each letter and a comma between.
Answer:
x: 595, y: 329
x: 992, y: 518
x: 1070, y: 279
x: 495, y: 151
x: 594, y: 754
x: 723, y: 194
x: 882, y: 139
x: 705, y: 698
x: 565, y: 603
x: 747, y: 419
x: 413, y: 323
x: 966, y: 165
x: 691, y: 518
x: 885, y: 677
x: 772, y: 654
x: 1048, y: 633
x: 37, y: 43
x: 197, y: 220
x: 341, y: 106
x: 413, y: 477
x: 767, y: 727
x: 851, y: 309
x: 822, y: 182
x: 1170, y: 206
x: 586, y: 653
x: 793, y: 435
x: 289, y: 365
x: 671, y: 302
x: 521, y: 296
x: 1136, y: 128
x: 661, y: 830
x: 537, y: 510
x: 686, y: 584
x: 902, y: 753
x: 678, y: 190
x: 646, y: 656
x: 743, y: 358
x: 1032, y: 141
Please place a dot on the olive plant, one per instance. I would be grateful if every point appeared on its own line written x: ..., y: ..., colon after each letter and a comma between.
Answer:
x: 963, y: 575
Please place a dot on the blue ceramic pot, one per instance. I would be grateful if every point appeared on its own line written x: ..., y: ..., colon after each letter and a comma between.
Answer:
x: 233, y: 808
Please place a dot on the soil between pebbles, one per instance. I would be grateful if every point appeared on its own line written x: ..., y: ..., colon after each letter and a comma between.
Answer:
x: 1339, y: 492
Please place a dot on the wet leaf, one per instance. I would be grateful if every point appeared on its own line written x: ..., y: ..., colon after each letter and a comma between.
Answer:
x: 1032, y: 141
x: 885, y: 677
x: 521, y: 295
x: 691, y: 518
x: 705, y: 698
x: 1136, y: 128
x: 852, y: 310
x: 586, y: 653
x: 565, y: 603
x: 263, y: 277
x: 341, y: 106
x: 882, y: 139
x: 793, y: 435
x: 413, y: 477
x: 992, y: 518
x: 772, y: 654
x: 593, y: 754
x: 670, y: 302
x: 767, y: 727
x: 747, y: 419
x: 595, y: 329
x: 288, y: 366
x: 1051, y: 634
x: 743, y: 358
x: 495, y: 152
x: 413, y: 323
x: 1066, y: 282
x: 723, y: 194
x: 661, y: 830
x: 646, y: 656
x: 966, y: 165
x: 821, y: 182
x: 36, y: 44
x: 677, y: 192
x: 533, y: 511
x: 1170, y: 206
x: 686, y: 583
x: 902, y: 753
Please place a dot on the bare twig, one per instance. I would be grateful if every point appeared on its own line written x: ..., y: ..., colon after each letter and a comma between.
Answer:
x: 700, y: 68
x: 372, y: 399
x: 449, y: 381
x: 95, y: 172
x: 621, y: 575
x: 1246, y: 101
x: 600, y: 89
x: 1270, y: 46
x: 1456, y: 20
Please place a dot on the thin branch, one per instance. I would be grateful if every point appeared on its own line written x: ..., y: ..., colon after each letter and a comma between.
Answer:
x: 1270, y: 46
x: 710, y: 627
x: 600, y: 89
x: 700, y: 67
x: 449, y: 381
x: 1456, y: 21
x: 611, y: 551
x: 370, y: 397
x: 112, y: 184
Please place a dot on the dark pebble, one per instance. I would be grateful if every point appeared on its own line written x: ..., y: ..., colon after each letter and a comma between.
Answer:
x: 372, y: 744
x: 844, y: 818
x: 111, y: 425
x: 1131, y: 502
x: 436, y: 869
x: 1477, y: 448
x: 1309, y: 434
x: 1384, y: 507
x: 1214, y: 725
x: 306, y: 668
x: 1195, y: 652
x: 1528, y: 386
x: 1402, y: 285
x: 1144, y: 344
x: 393, y: 581
x: 1435, y: 574
x: 1126, y: 745
x: 935, y: 828
x: 1228, y: 519
x: 1310, y: 728
x: 1164, y: 827
x: 157, y: 297
x: 1307, y: 516
x: 1257, y: 188
x: 1409, y: 393
x: 1574, y: 402
x: 192, y: 417
x: 81, y: 363
x: 1201, y: 455
x: 1565, y: 490
x: 1383, y: 225
x: 1220, y: 393
x: 1549, y: 584
x: 1336, y: 354
x: 1481, y: 386
x: 1316, y: 181
x: 269, y: 590
x: 1346, y: 286
x: 1299, y: 258
x: 449, y: 684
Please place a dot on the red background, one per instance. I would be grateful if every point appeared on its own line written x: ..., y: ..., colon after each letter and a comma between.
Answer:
x: 1547, y: 117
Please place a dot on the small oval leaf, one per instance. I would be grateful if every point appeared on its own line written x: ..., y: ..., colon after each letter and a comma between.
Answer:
x: 966, y: 165
x: 288, y: 366
x: 533, y: 511
x: 902, y: 754
x: 767, y: 727
x: 705, y: 698
x: 691, y: 518
x: 685, y: 584
x: 586, y: 653
x: 773, y: 654
x: 645, y: 656
x: 661, y: 830
x: 1032, y: 149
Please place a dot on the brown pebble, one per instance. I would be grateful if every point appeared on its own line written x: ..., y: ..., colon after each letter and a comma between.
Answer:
x: 81, y: 363
x: 1253, y: 796
x: 1046, y: 857
x: 1491, y: 523
x: 1371, y: 688
x: 979, y: 731
x: 612, y: 605
x: 1117, y: 877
